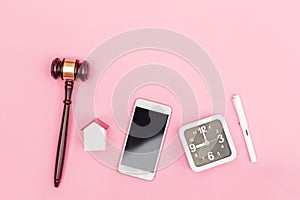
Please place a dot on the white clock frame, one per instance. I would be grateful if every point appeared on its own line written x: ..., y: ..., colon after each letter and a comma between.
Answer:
x: 213, y: 163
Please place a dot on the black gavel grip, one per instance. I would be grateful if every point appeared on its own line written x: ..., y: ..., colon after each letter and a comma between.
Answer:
x: 60, y: 153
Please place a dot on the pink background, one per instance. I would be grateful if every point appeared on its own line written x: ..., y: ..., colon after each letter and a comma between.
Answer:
x: 255, y: 47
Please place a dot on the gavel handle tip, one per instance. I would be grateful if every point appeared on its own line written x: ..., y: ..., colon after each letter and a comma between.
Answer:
x: 56, y: 183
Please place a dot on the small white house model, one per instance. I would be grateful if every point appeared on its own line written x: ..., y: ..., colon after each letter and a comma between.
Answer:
x: 94, y: 135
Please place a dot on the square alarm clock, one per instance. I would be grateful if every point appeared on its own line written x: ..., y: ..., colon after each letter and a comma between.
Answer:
x: 207, y: 143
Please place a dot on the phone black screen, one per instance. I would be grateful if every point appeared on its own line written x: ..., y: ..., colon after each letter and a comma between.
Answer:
x: 144, y: 139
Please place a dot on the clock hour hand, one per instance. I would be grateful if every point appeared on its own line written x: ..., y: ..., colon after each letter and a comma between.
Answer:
x: 205, y: 143
x: 201, y: 145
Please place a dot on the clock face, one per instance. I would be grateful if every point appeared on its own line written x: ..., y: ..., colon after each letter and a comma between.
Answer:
x: 207, y: 142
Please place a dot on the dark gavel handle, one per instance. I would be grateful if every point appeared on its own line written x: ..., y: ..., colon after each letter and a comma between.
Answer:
x: 60, y: 153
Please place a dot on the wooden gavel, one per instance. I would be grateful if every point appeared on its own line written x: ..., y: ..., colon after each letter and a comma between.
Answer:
x: 68, y: 70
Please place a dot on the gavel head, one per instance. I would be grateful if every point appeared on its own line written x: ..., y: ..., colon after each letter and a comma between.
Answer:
x: 69, y: 69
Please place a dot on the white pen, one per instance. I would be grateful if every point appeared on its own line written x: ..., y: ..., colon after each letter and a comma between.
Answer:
x: 243, y: 123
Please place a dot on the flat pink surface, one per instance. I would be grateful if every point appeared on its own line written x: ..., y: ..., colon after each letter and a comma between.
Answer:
x: 255, y: 46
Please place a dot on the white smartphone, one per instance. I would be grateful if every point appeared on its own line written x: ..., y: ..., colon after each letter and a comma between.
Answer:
x: 144, y: 140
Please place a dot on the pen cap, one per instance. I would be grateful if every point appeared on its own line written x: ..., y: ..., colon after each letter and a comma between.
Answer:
x: 239, y: 110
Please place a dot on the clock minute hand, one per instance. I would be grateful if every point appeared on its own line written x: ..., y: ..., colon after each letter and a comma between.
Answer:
x: 205, y: 139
